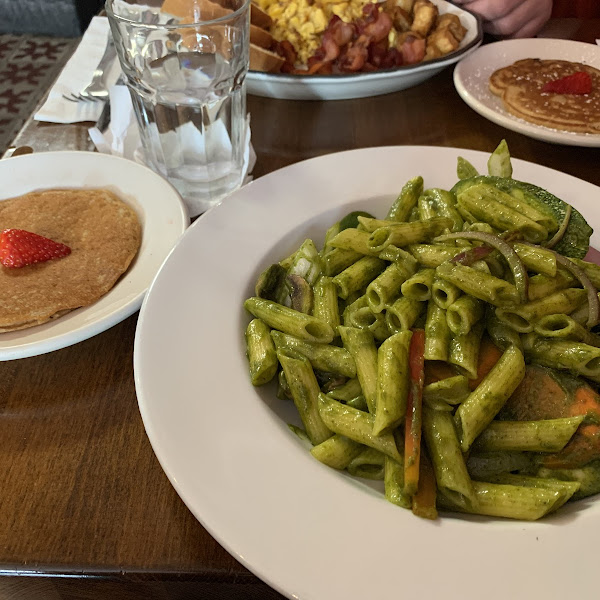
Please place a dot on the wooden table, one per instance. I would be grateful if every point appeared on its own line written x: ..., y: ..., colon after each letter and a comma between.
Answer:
x: 82, y: 494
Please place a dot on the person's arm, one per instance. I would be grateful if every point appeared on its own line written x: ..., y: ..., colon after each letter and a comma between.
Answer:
x: 510, y: 18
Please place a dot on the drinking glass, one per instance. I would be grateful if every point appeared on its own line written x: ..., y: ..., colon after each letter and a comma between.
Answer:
x: 185, y: 64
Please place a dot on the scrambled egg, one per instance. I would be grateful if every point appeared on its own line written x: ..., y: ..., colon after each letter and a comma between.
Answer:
x: 302, y: 22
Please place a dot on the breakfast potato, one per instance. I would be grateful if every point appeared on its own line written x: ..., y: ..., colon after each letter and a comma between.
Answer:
x: 406, y: 5
x: 401, y: 18
x: 443, y: 40
x: 452, y: 22
x: 425, y: 16
x: 432, y: 51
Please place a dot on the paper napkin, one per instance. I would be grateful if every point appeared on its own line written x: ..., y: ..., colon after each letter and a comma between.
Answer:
x: 76, y: 75
x: 122, y: 138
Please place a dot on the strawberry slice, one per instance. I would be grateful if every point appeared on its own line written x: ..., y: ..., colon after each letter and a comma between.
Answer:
x: 19, y: 248
x: 577, y: 83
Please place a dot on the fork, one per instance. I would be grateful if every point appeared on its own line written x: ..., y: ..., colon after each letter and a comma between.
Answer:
x: 96, y: 90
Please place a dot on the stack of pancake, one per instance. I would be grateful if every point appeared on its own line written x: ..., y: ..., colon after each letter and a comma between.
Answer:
x: 520, y: 87
x: 104, y: 235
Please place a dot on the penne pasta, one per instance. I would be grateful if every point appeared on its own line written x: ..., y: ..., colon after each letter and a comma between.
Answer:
x: 393, y: 478
x: 433, y: 255
x: 358, y: 275
x: 451, y: 473
x: 551, y: 435
x: 565, y: 354
x: 437, y: 333
x: 565, y: 327
x: 479, y: 284
x: 404, y: 234
x: 361, y: 345
x: 463, y: 351
x: 369, y: 464
x: 385, y: 288
x: 443, y: 204
x: 337, y: 451
x: 403, y: 313
x: 400, y: 346
x: 418, y: 287
x: 304, y: 389
x: 484, y: 204
x: 290, y: 321
x: 262, y: 356
x: 346, y: 391
x: 512, y: 501
x: 444, y: 293
x: 393, y: 382
x: 352, y: 239
x: 325, y: 302
x: 537, y: 259
x: 406, y: 201
x: 482, y: 405
x: 463, y: 313
x: 324, y: 357
x: 522, y: 317
x: 356, y: 425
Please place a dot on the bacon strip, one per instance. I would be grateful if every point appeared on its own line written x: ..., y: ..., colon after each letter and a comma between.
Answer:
x: 413, y: 50
x: 352, y: 47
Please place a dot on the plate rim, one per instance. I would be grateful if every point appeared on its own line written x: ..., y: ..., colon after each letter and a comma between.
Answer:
x: 85, y: 330
x: 244, y: 555
x: 512, y: 122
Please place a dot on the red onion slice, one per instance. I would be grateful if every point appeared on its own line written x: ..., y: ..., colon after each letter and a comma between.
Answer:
x: 561, y: 230
x: 512, y: 258
x: 592, y: 292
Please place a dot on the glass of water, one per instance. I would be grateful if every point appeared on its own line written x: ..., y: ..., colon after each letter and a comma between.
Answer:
x: 185, y: 63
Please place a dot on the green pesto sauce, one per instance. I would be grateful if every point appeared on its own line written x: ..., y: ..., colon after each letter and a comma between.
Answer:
x: 576, y: 240
x: 588, y: 476
x: 350, y: 221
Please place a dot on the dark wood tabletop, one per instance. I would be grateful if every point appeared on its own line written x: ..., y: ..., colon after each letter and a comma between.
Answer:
x: 82, y: 494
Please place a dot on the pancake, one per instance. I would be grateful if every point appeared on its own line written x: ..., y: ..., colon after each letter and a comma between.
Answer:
x: 520, y: 87
x: 500, y: 79
x: 104, y: 235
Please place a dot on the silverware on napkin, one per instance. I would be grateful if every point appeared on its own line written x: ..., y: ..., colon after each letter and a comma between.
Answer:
x: 97, y: 89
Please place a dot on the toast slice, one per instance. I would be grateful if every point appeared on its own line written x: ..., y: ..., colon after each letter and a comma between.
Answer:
x: 265, y: 60
x: 206, y: 10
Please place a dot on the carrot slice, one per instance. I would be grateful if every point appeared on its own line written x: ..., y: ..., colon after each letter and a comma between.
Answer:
x: 489, y: 354
x: 423, y: 504
x: 412, y: 431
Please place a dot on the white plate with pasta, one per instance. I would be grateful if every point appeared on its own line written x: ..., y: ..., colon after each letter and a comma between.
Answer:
x: 309, y: 531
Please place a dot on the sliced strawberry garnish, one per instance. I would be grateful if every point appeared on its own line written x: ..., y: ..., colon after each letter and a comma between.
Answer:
x: 577, y: 83
x: 19, y: 248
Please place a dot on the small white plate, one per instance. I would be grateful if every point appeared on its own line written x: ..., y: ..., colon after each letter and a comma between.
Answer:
x: 162, y: 214
x: 307, y: 530
x: 471, y: 78
x: 362, y: 85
